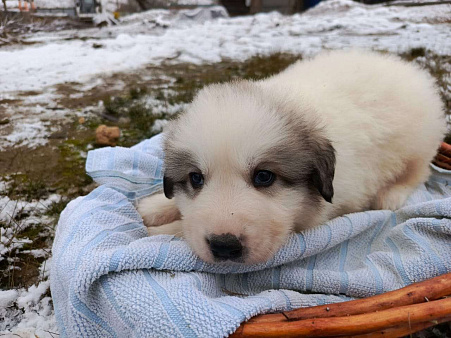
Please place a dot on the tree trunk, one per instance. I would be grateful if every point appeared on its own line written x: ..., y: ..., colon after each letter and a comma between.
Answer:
x: 4, y: 5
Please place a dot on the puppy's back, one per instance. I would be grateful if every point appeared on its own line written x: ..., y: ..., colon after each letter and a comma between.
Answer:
x: 352, y: 86
x: 380, y: 113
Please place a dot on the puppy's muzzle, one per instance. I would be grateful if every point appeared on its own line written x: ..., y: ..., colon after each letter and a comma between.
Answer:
x: 225, y: 246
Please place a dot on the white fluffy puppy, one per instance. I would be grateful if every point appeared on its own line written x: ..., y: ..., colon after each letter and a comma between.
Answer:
x: 251, y: 161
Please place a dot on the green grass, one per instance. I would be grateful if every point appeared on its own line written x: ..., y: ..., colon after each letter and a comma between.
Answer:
x: 56, y: 208
x: 25, y: 270
x: 71, y: 167
x: 22, y: 186
x: 189, y: 80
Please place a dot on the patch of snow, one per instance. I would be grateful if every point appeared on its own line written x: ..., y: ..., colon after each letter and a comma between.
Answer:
x: 162, y: 17
x: 407, y: 2
x: 104, y: 18
x: 76, y: 95
x: 332, y: 24
x: 113, y: 5
x: 25, y: 312
x: 12, y: 3
x: 5, y: 96
x: 159, y: 106
x: 159, y: 125
x: 31, y: 214
x: 92, y: 84
x: 425, y: 14
x: 203, y: 14
x: 43, y: 98
x: 4, y: 185
x: 10, y: 208
x: 44, y: 269
x: 55, y: 3
x: 28, y: 313
x: 36, y: 253
x: 31, y: 132
x: 8, y: 297
x: 110, y: 5
x: 33, y: 295
x: 33, y: 120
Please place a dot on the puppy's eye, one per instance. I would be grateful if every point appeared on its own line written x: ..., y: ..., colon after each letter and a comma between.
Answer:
x: 197, y: 180
x: 264, y: 178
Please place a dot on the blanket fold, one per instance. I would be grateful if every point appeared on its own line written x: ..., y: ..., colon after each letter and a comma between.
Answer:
x: 109, y: 279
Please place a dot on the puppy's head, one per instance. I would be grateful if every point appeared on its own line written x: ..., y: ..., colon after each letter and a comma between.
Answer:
x: 245, y: 169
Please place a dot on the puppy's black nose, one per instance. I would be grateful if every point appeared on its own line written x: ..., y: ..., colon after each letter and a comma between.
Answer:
x: 225, y: 246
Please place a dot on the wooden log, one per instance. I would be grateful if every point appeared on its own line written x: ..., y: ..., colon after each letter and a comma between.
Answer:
x: 350, y: 325
x: 440, y: 158
x: 403, y: 330
x: 443, y: 158
x: 445, y: 149
x: 430, y: 289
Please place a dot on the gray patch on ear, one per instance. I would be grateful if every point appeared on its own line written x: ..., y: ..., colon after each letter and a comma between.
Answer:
x: 168, y: 187
x: 305, y: 158
x: 324, y: 171
x: 314, y: 150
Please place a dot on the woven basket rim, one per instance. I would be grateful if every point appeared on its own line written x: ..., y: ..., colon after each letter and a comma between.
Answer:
x: 443, y: 157
x: 395, y: 313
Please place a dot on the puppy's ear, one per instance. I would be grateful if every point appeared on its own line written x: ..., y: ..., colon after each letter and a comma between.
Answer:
x: 168, y: 187
x: 324, y: 169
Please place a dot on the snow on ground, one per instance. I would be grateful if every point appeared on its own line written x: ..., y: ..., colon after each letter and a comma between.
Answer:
x: 58, y: 3
x: 28, y: 311
x: 109, y: 4
x: 9, y: 209
x: 331, y: 25
x: 33, y: 123
x: 44, y: 3
x: 160, y: 36
x: 55, y: 3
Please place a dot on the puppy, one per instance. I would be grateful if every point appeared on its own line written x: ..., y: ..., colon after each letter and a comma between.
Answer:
x: 251, y: 161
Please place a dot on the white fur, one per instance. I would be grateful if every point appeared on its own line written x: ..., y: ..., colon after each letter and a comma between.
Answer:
x: 383, y: 116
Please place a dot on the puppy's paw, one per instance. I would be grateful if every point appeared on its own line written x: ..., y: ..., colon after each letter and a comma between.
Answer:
x: 392, y: 198
x: 174, y: 228
x: 157, y: 210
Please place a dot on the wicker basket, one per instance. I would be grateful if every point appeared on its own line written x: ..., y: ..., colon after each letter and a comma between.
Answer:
x: 443, y: 158
x: 392, y: 314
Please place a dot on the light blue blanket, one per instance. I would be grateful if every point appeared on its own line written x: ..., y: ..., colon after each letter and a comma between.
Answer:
x: 110, y: 280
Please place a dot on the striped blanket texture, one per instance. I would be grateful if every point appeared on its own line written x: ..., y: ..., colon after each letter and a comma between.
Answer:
x: 109, y: 279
